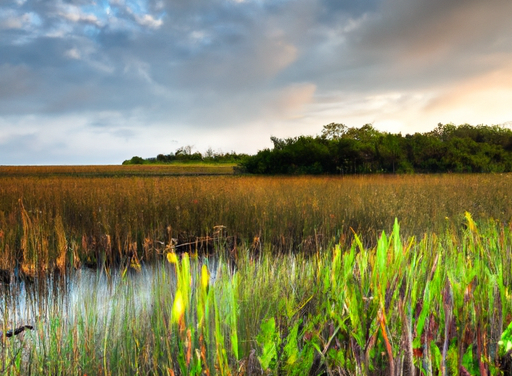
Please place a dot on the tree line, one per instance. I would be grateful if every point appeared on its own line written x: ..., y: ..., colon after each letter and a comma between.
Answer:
x: 345, y: 150
x: 185, y: 154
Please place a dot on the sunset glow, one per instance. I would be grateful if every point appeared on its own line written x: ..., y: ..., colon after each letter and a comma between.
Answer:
x: 96, y: 82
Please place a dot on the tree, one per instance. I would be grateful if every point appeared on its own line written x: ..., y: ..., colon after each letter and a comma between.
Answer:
x: 184, y: 150
x: 334, y: 131
x: 137, y: 160
x: 281, y: 143
x: 391, y: 152
x: 209, y: 153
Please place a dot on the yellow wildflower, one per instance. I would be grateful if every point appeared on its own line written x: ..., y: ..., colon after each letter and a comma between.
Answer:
x: 178, y: 308
x: 205, y: 277
x: 172, y: 258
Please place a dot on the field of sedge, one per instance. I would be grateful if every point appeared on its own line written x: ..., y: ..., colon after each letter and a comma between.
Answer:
x: 241, y: 275
x: 51, y: 222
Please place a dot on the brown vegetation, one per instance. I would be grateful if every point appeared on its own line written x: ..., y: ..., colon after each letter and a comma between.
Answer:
x: 49, y: 221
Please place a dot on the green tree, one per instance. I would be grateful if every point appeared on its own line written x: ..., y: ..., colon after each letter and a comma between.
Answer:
x: 136, y: 160
x: 366, y: 150
x: 334, y: 131
x: 392, y: 153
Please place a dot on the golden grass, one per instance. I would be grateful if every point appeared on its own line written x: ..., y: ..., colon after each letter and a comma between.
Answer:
x: 121, y: 170
x: 74, y: 219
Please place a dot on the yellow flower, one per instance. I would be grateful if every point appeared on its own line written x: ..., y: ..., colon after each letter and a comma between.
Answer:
x: 205, y: 277
x: 178, y: 308
x: 172, y: 258
x: 471, y: 223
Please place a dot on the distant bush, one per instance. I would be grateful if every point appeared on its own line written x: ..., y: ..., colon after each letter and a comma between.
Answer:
x: 184, y: 154
x: 134, y: 160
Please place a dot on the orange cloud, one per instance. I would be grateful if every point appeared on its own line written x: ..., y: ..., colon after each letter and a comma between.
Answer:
x: 485, y: 98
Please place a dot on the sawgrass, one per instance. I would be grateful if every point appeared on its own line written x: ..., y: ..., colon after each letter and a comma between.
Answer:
x: 169, y: 169
x: 54, y: 222
x: 307, y: 275
x: 435, y: 304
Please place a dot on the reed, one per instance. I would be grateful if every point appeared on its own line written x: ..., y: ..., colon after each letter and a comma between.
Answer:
x: 431, y: 305
x: 53, y: 222
x: 171, y: 169
x: 242, y: 275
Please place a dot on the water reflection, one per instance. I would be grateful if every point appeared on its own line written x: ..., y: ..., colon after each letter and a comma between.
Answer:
x: 99, y: 295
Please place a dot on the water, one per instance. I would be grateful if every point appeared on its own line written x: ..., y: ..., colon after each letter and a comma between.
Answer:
x: 87, y: 293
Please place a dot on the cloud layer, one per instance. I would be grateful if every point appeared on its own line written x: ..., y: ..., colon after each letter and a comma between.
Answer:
x: 100, y: 81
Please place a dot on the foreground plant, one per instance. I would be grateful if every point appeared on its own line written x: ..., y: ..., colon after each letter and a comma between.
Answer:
x: 437, y: 305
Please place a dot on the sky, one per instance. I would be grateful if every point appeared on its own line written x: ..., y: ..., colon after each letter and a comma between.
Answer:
x: 97, y: 82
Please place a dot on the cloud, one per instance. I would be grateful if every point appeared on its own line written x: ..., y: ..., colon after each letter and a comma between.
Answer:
x: 149, y: 20
x: 139, y: 72
x: 15, y: 81
x: 482, y: 98
x: 425, y: 40
x: 73, y: 53
x: 70, y: 139
x: 73, y: 13
x: 11, y: 20
x: 291, y: 101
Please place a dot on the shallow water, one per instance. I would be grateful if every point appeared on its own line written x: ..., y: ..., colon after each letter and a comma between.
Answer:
x: 87, y: 292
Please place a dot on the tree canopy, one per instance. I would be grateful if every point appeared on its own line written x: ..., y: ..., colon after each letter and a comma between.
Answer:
x: 344, y: 150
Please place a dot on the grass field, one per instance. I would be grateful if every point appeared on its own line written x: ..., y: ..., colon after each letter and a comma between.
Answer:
x: 288, y: 287
x: 54, y: 221
x: 169, y: 169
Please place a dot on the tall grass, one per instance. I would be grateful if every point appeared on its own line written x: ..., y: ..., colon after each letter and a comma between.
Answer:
x: 171, y: 169
x: 430, y: 305
x: 309, y: 275
x: 57, y: 221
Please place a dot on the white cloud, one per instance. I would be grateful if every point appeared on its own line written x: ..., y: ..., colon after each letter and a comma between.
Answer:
x: 11, y: 19
x: 149, y: 21
x: 73, y: 13
x: 73, y: 54
x: 138, y: 11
